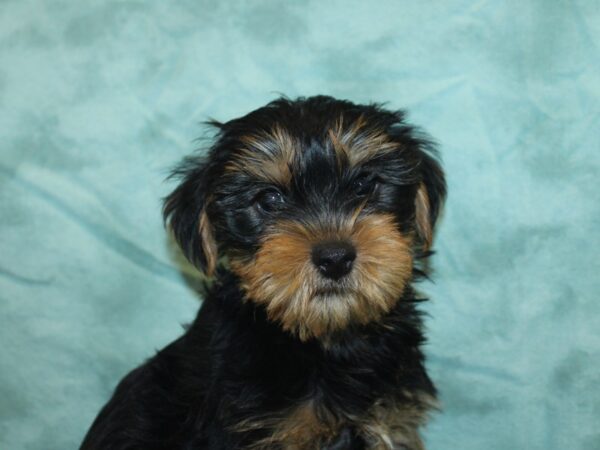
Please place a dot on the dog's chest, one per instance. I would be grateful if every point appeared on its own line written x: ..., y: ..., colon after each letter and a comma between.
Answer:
x: 355, y: 389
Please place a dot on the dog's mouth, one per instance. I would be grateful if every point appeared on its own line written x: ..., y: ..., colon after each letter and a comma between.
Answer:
x: 329, y: 292
x: 323, y: 287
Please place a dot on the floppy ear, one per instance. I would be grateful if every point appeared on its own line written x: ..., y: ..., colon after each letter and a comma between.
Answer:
x: 185, y: 211
x: 430, y: 197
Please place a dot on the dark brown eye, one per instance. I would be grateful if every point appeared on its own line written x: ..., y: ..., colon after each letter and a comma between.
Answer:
x: 364, y: 185
x: 269, y: 200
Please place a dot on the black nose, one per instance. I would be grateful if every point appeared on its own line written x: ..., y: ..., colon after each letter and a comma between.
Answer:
x: 334, y: 258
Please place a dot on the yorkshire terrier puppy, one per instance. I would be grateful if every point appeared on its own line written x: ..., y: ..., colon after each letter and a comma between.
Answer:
x: 312, y: 218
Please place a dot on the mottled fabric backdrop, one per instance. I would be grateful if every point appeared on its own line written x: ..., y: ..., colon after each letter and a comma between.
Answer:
x: 99, y: 99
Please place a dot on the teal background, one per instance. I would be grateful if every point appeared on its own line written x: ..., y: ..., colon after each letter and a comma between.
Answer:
x: 99, y: 99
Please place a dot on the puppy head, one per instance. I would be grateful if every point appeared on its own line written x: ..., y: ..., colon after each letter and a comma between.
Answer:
x: 320, y: 206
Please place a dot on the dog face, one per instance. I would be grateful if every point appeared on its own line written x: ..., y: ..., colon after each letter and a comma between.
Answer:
x: 319, y: 206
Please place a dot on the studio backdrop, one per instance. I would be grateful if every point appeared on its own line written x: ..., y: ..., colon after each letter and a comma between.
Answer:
x: 100, y: 99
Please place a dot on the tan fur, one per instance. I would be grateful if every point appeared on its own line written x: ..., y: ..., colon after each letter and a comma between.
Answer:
x: 209, y: 245
x: 283, y: 278
x: 395, y: 425
x: 422, y: 217
x: 301, y: 428
x: 388, y: 425
x: 267, y: 156
x: 359, y: 142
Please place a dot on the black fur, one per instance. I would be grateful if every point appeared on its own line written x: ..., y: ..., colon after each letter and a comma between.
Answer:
x: 233, y: 363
